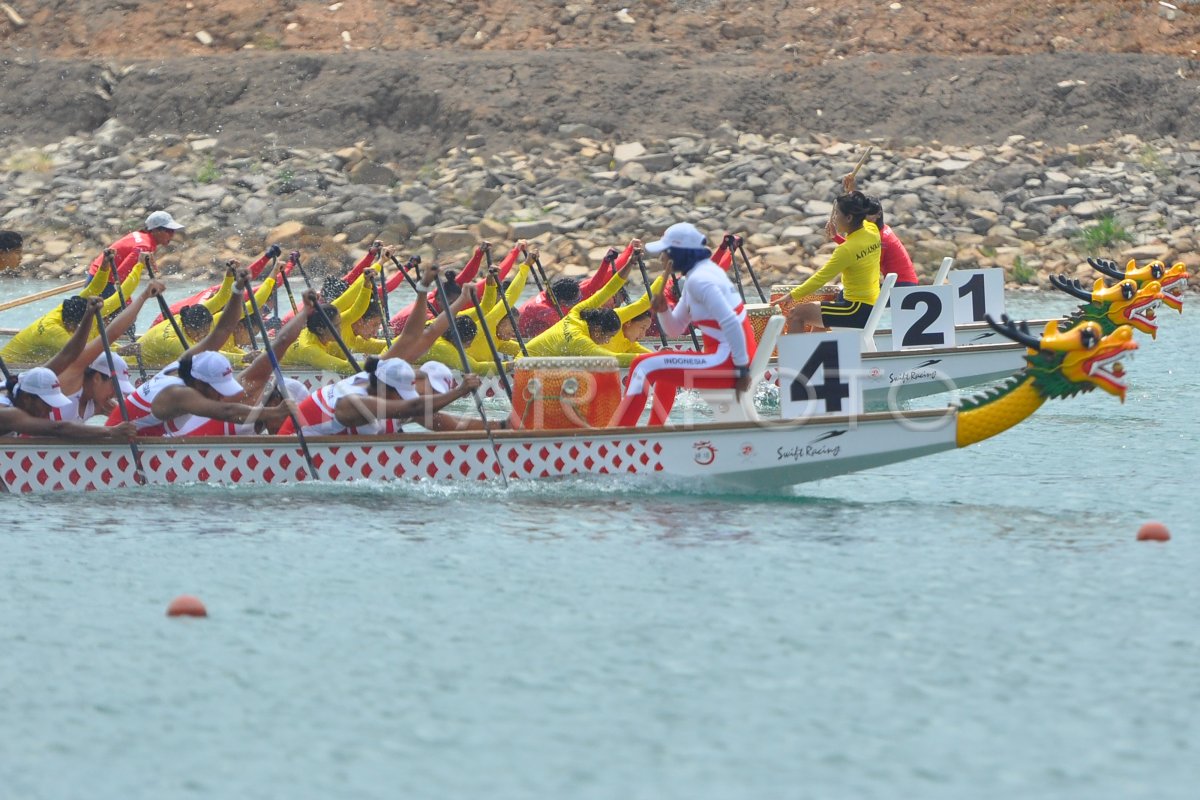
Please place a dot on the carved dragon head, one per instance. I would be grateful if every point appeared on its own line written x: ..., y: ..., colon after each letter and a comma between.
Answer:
x: 1123, y: 303
x: 1064, y: 363
x: 1173, y: 279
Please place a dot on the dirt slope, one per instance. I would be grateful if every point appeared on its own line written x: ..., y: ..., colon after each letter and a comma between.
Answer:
x: 413, y: 77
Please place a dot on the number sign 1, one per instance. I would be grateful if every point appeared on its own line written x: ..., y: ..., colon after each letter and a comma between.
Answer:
x: 977, y: 292
x: 922, y: 316
x: 819, y: 373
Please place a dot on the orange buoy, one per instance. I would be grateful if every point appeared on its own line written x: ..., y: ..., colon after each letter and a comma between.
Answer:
x: 186, y: 606
x: 1153, y: 532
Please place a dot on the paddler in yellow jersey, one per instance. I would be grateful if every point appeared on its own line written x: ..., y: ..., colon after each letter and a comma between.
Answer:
x: 499, y: 323
x: 160, y: 345
x: 856, y: 259
x: 39, y: 341
x: 636, y: 319
x: 317, y: 346
x: 587, y: 328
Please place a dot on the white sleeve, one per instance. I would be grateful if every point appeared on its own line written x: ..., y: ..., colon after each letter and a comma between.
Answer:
x: 715, y: 305
x: 674, y: 321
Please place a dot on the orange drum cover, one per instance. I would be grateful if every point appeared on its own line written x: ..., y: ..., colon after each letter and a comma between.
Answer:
x: 556, y: 393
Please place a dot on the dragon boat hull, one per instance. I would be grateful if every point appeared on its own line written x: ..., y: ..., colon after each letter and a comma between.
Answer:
x: 749, y: 455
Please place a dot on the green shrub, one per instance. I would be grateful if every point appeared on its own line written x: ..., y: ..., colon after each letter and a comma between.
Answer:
x: 207, y: 172
x: 1101, y: 236
x: 1022, y: 272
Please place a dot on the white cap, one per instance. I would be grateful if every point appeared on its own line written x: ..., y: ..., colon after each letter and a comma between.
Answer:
x: 439, y: 376
x: 100, y: 364
x: 215, y: 370
x: 42, y: 382
x: 397, y: 373
x: 295, y: 389
x: 681, y: 234
x: 161, y: 219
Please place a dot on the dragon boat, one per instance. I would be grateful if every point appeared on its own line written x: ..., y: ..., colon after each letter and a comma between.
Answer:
x: 756, y: 454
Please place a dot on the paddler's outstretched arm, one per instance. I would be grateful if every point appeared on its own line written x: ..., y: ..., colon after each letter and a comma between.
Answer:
x: 222, y: 329
x: 14, y: 420
x: 358, y: 409
x: 72, y: 376
x: 74, y: 346
x: 254, y: 377
x: 417, y: 337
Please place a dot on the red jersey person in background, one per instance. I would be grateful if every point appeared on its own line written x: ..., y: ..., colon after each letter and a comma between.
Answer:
x: 159, y: 231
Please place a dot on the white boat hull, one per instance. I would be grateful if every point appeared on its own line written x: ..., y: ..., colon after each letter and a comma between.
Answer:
x: 754, y: 456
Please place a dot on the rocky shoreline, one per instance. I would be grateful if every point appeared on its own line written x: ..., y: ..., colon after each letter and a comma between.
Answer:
x: 1028, y: 207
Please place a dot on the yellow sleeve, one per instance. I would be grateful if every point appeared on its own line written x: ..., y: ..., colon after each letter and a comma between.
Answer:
x: 307, y: 351
x: 585, y: 347
x: 599, y: 298
x: 359, y: 344
x: 112, y: 303
x: 512, y: 296
x: 261, y: 294
x: 358, y: 293
x: 841, y: 259
x: 488, y: 301
x: 623, y: 344
x: 445, y: 352
x: 217, y: 302
x: 641, y: 305
x: 98, y: 282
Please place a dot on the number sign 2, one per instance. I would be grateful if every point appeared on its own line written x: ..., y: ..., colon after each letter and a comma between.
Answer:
x: 923, y: 316
x: 977, y: 292
x: 819, y: 373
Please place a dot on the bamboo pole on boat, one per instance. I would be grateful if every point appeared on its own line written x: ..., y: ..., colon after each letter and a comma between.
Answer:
x: 32, y: 298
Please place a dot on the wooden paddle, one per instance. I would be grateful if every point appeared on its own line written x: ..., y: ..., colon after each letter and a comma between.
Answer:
x: 139, y: 473
x: 31, y: 298
x: 491, y: 343
x: 280, y: 385
x: 462, y: 354
x: 492, y: 272
x: 861, y: 161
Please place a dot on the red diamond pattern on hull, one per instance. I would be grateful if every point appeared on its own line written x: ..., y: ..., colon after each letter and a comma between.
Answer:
x: 102, y: 467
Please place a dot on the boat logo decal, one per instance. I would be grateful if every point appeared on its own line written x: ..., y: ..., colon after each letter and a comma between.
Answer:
x: 704, y: 453
x: 747, y: 450
x: 814, y: 449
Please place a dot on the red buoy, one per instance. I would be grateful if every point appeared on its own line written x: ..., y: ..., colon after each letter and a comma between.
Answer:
x: 186, y: 606
x: 1153, y: 532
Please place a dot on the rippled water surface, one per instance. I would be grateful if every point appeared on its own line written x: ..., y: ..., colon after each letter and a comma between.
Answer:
x: 976, y: 624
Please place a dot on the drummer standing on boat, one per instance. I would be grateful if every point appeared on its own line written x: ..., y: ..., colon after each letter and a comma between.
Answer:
x: 711, y: 303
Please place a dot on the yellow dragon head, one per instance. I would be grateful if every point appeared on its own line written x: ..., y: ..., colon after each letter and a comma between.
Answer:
x: 1063, y: 363
x: 1173, y: 280
x: 1130, y: 305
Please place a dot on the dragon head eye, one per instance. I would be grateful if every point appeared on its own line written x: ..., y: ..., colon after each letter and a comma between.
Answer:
x: 1157, y: 269
x: 1128, y: 290
x: 1089, y: 338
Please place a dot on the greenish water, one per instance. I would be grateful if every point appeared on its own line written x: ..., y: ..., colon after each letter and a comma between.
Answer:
x: 977, y: 624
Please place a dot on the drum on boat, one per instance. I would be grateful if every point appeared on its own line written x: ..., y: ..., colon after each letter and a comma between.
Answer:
x: 554, y: 393
x: 826, y: 294
x: 759, y: 314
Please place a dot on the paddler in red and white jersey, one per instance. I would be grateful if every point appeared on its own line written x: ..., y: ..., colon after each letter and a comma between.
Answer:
x: 254, y: 381
x: 711, y: 303
x: 140, y: 404
x: 365, y: 403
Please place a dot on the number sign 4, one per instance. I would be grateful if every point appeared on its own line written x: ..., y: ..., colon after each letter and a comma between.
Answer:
x: 819, y: 373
